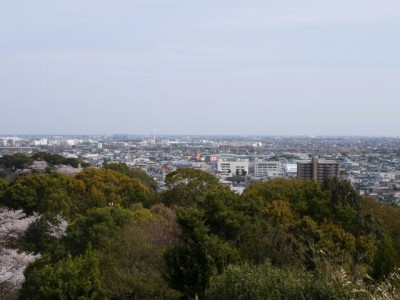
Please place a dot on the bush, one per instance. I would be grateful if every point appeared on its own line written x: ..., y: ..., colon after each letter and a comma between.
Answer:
x: 267, y: 282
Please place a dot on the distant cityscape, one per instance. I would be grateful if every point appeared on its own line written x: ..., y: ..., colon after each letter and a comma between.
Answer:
x: 370, y: 164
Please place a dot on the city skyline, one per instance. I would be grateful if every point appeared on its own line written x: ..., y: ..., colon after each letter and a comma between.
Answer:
x: 200, y: 68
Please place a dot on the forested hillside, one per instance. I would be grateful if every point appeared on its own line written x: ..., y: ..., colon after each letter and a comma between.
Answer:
x: 109, y: 234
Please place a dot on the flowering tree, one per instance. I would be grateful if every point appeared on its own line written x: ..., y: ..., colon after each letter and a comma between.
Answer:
x: 13, y: 225
x: 58, y: 227
x: 12, y: 266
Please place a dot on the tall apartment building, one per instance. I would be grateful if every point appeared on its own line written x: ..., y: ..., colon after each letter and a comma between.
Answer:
x: 317, y: 169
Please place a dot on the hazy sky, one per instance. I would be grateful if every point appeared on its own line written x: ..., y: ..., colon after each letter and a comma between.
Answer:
x: 268, y: 67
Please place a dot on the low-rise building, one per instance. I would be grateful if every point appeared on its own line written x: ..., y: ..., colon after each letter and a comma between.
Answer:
x: 232, y: 166
x: 266, y: 168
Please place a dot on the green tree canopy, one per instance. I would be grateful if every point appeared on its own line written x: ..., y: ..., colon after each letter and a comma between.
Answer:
x: 42, y: 193
x: 305, y: 196
x: 385, y: 259
x: 15, y: 161
x: 186, y: 186
x: 131, y: 263
x: 190, y: 265
x: 69, y: 279
x: 133, y: 173
x: 102, y: 187
x: 57, y: 159
x: 51, y: 159
x: 96, y: 228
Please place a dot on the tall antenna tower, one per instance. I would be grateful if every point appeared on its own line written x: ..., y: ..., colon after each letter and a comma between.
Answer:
x: 154, y: 136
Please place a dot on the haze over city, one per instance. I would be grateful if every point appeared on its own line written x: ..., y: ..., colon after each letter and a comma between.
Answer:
x: 200, y: 67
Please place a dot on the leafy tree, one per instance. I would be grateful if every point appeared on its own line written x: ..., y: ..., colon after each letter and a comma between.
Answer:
x: 37, y: 238
x: 221, y: 208
x: 279, y: 214
x: 386, y: 218
x: 3, y: 187
x: 320, y: 246
x: 336, y: 244
x: 190, y: 265
x: 270, y: 238
x: 15, y: 161
x: 56, y: 159
x: 70, y: 278
x: 341, y: 192
x: 4, y: 173
x: 186, y: 186
x: 43, y: 193
x: 96, y: 228
x: 51, y: 159
x: 305, y: 196
x: 145, y: 179
x: 385, y: 259
x: 75, y: 162
x: 102, y: 187
x: 132, y: 261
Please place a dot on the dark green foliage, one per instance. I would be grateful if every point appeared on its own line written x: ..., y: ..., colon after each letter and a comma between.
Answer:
x: 37, y: 238
x: 344, y: 202
x: 384, y: 218
x: 4, y: 173
x: 70, y: 278
x: 341, y: 193
x: 43, y: 193
x: 51, y: 159
x: 289, y: 238
x: 222, y: 215
x: 15, y: 161
x: 190, y: 264
x: 3, y: 187
x: 385, y: 259
x: 56, y: 159
x: 96, y: 228
x: 75, y: 162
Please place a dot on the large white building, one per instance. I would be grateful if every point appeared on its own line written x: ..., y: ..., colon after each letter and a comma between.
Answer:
x: 233, y: 166
x: 290, y: 170
x: 266, y: 168
x: 40, y: 142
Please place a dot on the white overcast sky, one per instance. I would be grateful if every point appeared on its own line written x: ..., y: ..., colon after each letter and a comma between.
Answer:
x: 268, y: 67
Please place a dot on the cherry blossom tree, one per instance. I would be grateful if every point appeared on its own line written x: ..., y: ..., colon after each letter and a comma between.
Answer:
x: 13, y: 225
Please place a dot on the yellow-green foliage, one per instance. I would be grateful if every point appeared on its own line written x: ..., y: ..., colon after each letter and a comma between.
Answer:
x: 102, y: 187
